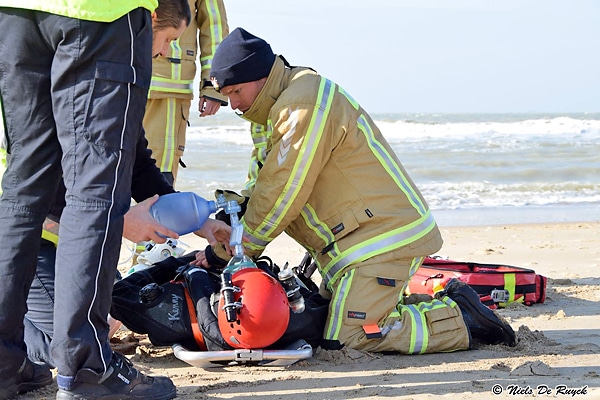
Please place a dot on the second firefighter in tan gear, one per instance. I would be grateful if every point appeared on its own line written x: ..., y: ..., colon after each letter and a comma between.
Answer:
x: 171, y: 89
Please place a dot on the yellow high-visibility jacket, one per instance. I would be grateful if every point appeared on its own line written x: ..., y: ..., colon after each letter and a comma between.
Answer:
x: 173, y: 75
x: 90, y: 10
x: 329, y: 180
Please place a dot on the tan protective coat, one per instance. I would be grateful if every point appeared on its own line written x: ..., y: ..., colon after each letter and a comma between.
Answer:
x: 171, y: 90
x: 331, y: 181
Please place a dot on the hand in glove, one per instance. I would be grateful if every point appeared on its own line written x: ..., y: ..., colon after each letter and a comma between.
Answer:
x: 231, y: 195
x: 209, y: 259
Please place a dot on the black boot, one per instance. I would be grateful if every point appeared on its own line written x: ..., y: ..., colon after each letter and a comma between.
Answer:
x: 483, y: 324
x: 30, y: 377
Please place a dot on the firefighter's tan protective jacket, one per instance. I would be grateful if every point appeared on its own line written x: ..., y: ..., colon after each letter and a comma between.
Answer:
x: 330, y: 180
x: 173, y: 75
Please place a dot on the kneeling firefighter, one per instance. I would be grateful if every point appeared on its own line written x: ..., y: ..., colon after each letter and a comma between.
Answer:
x: 175, y: 302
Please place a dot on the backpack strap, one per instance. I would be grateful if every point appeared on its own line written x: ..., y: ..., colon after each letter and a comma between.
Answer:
x: 198, y: 337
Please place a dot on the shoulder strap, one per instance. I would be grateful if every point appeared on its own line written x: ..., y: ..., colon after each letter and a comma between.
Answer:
x: 198, y: 337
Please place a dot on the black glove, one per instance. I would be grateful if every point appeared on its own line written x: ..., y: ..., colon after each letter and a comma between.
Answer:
x: 213, y: 260
x: 231, y: 195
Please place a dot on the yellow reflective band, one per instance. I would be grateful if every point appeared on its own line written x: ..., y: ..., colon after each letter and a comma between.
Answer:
x: 170, y: 138
x: 50, y: 237
x: 171, y: 86
x: 390, y: 165
x: 306, y: 153
x: 50, y: 231
x: 319, y: 228
x: 176, y: 54
x: 214, y: 17
x: 337, y: 305
x: 89, y: 10
x: 260, y: 137
x: 216, y: 32
x: 419, y: 340
x: 2, y: 161
x: 414, y: 266
x: 350, y: 99
x: 380, y: 244
x: 416, y: 328
x: 206, y: 63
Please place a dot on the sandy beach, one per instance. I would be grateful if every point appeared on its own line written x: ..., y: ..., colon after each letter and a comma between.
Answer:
x: 558, y: 354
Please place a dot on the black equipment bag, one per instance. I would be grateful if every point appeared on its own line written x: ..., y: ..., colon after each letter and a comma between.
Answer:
x: 153, y: 302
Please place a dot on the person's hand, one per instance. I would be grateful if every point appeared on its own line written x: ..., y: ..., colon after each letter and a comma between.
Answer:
x: 200, y: 260
x: 216, y: 233
x: 208, y: 107
x: 140, y: 226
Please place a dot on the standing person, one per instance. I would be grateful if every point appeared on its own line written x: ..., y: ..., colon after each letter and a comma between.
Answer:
x: 171, y: 88
x: 328, y: 178
x: 147, y: 184
x: 74, y: 78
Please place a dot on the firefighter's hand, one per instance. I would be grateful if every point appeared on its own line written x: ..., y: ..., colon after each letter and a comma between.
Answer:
x: 140, y: 226
x: 215, y: 232
x: 208, y: 107
x: 200, y: 260
x: 209, y: 259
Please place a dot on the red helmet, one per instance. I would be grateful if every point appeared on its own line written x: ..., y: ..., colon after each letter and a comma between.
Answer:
x: 264, y: 313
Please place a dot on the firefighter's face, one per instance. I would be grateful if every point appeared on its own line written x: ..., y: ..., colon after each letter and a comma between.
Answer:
x: 162, y: 37
x: 242, y: 95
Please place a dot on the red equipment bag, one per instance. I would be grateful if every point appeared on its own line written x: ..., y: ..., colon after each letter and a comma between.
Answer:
x: 497, y: 285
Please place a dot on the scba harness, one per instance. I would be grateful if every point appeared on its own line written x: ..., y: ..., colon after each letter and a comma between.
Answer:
x: 176, y: 303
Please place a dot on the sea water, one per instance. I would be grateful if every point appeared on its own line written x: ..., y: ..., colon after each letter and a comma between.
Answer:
x: 473, y: 169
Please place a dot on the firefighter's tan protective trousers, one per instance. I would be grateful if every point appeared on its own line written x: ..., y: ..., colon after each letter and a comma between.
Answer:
x: 367, y: 311
x: 165, y: 123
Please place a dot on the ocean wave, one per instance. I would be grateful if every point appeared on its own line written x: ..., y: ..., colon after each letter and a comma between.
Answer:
x: 448, y: 196
x: 397, y: 128
x: 457, y: 162
x: 559, y: 126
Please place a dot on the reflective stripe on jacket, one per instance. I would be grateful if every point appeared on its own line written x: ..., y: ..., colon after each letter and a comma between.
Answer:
x: 173, y: 75
x: 330, y: 179
x: 90, y: 10
x: 257, y: 159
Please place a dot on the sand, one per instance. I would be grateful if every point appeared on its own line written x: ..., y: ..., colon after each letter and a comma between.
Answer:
x: 558, y: 354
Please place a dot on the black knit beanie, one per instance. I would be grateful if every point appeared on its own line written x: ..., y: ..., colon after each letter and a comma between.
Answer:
x: 241, y: 57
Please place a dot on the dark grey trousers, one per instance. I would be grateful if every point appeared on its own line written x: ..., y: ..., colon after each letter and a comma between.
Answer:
x: 39, y: 320
x: 73, y: 94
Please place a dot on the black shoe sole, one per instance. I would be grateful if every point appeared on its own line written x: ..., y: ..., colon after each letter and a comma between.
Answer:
x: 30, y: 387
x: 41, y: 382
x: 89, y: 395
x: 493, y: 329
x: 98, y: 392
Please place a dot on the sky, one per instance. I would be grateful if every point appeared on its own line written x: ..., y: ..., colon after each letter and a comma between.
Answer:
x: 447, y: 56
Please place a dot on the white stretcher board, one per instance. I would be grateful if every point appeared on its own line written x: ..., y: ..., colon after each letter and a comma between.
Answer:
x: 299, y: 350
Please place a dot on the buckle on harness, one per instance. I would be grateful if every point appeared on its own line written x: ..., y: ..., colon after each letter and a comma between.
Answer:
x: 245, y: 355
x: 500, y: 295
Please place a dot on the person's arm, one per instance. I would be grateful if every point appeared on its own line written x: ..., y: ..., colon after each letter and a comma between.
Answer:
x: 147, y: 180
x: 288, y: 175
x: 147, y: 183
